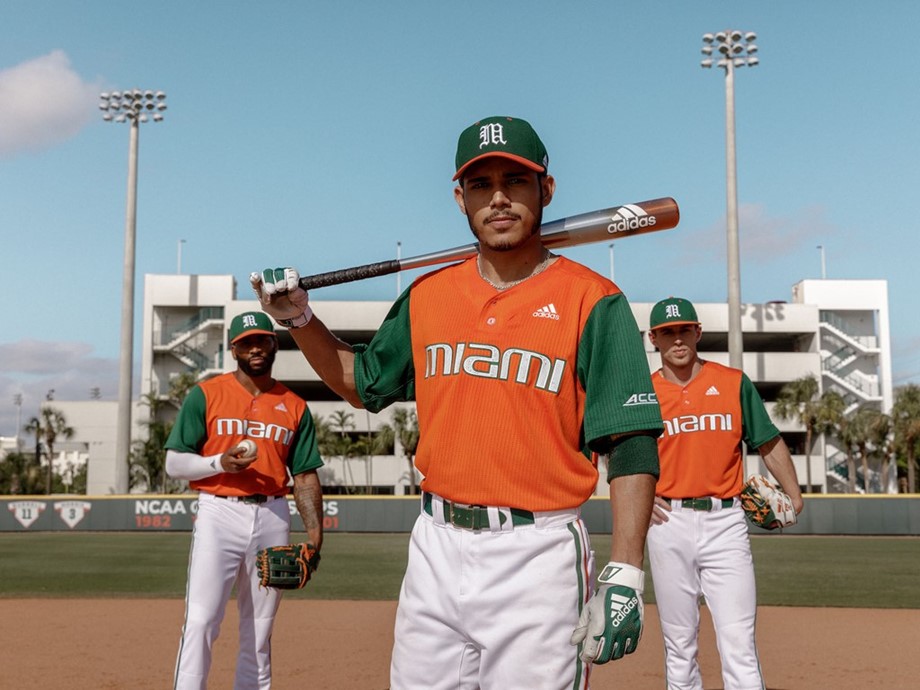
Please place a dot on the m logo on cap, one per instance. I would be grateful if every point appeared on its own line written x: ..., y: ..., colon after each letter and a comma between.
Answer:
x: 248, y: 323
x: 492, y: 134
x: 487, y: 137
x: 672, y: 311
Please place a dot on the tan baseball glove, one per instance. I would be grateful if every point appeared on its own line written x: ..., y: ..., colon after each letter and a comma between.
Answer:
x: 766, y: 505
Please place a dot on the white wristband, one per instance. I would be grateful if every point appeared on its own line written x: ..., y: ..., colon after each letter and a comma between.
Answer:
x: 622, y: 574
x: 298, y: 322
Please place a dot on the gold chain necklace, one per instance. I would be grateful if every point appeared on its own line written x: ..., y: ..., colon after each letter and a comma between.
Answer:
x: 504, y: 286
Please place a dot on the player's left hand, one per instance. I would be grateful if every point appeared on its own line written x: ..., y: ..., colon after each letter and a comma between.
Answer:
x: 766, y: 505
x: 281, y: 296
x: 660, y: 510
x: 610, y: 625
x: 288, y: 566
x: 233, y: 460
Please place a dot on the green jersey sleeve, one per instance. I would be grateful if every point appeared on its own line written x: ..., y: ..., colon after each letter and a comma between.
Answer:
x: 757, y: 427
x: 190, y: 430
x: 384, y: 370
x: 304, y: 455
x: 613, y: 369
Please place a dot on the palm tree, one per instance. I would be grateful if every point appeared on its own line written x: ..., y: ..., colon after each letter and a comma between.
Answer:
x: 325, y: 442
x: 147, y: 461
x: 337, y: 442
x: 863, y: 422
x: 828, y: 413
x: 797, y: 401
x: 48, y: 428
x: 19, y: 474
x: 380, y: 442
x: 881, y: 437
x: 324, y: 435
x: 34, y: 426
x: 180, y: 386
x: 905, y: 415
x: 405, y: 423
x: 847, y: 434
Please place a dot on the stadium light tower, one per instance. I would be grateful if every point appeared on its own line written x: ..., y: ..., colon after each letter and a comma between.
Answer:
x: 735, y: 49
x: 17, y: 401
x: 134, y: 107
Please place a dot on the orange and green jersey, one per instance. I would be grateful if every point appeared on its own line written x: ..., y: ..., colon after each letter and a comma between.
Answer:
x: 220, y: 412
x: 512, y: 387
x: 705, y: 422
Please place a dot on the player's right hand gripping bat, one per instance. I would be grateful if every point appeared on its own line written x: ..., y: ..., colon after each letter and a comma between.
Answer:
x: 612, y: 223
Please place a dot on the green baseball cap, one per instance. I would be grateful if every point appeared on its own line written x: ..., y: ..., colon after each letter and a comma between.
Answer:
x: 508, y: 137
x: 248, y: 323
x: 672, y: 311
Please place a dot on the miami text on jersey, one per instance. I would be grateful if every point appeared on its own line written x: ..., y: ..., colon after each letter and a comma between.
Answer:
x: 227, y: 426
x: 488, y: 361
x: 690, y: 422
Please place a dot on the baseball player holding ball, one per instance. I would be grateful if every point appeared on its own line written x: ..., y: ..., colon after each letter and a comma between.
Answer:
x: 698, y: 541
x: 520, y: 363
x: 238, y: 440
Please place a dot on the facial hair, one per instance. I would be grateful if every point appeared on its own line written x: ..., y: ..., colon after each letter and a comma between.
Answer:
x: 268, y: 361
x: 505, y: 246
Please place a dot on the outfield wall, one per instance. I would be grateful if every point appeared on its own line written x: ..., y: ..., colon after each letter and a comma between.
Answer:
x: 830, y: 514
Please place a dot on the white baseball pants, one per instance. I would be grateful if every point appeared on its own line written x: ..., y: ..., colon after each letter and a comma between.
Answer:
x: 492, y: 609
x: 226, y: 537
x: 706, y: 553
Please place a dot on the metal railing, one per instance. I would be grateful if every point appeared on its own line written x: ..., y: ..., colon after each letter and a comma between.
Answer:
x: 827, y: 318
x: 205, y: 314
x: 837, y: 467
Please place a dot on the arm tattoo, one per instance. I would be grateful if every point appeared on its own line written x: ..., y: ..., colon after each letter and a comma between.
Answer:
x: 308, y: 497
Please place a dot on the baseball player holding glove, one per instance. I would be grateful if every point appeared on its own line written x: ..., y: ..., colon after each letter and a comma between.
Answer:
x: 766, y: 505
x: 698, y: 542
x: 519, y: 361
x: 238, y: 439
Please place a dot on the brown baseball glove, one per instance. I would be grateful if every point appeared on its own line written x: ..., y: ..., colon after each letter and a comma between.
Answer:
x: 766, y: 505
x: 287, y: 567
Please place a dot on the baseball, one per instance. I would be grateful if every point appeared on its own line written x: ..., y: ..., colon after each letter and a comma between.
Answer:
x: 248, y: 447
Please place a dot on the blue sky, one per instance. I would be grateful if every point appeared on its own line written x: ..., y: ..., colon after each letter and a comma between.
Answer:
x: 320, y: 134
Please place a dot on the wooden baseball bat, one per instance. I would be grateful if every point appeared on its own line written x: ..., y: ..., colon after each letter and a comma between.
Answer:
x: 612, y: 223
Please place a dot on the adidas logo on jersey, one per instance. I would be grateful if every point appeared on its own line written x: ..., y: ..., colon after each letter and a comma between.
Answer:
x: 641, y: 399
x: 712, y: 391
x: 630, y: 217
x: 547, y: 312
x: 281, y: 408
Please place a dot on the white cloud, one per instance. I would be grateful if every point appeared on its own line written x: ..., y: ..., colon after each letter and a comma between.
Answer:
x: 37, y: 357
x: 762, y: 237
x: 32, y: 368
x: 43, y: 102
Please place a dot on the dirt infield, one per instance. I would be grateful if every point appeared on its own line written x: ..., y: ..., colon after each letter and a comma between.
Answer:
x: 345, y: 645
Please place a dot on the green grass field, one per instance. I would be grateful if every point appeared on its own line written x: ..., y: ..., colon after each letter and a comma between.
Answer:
x: 870, y: 572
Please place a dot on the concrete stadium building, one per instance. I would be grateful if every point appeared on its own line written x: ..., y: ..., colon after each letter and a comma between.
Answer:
x: 837, y: 330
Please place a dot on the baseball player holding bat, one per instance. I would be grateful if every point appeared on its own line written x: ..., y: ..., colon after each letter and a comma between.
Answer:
x: 521, y: 363
x: 238, y: 439
x: 698, y: 542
